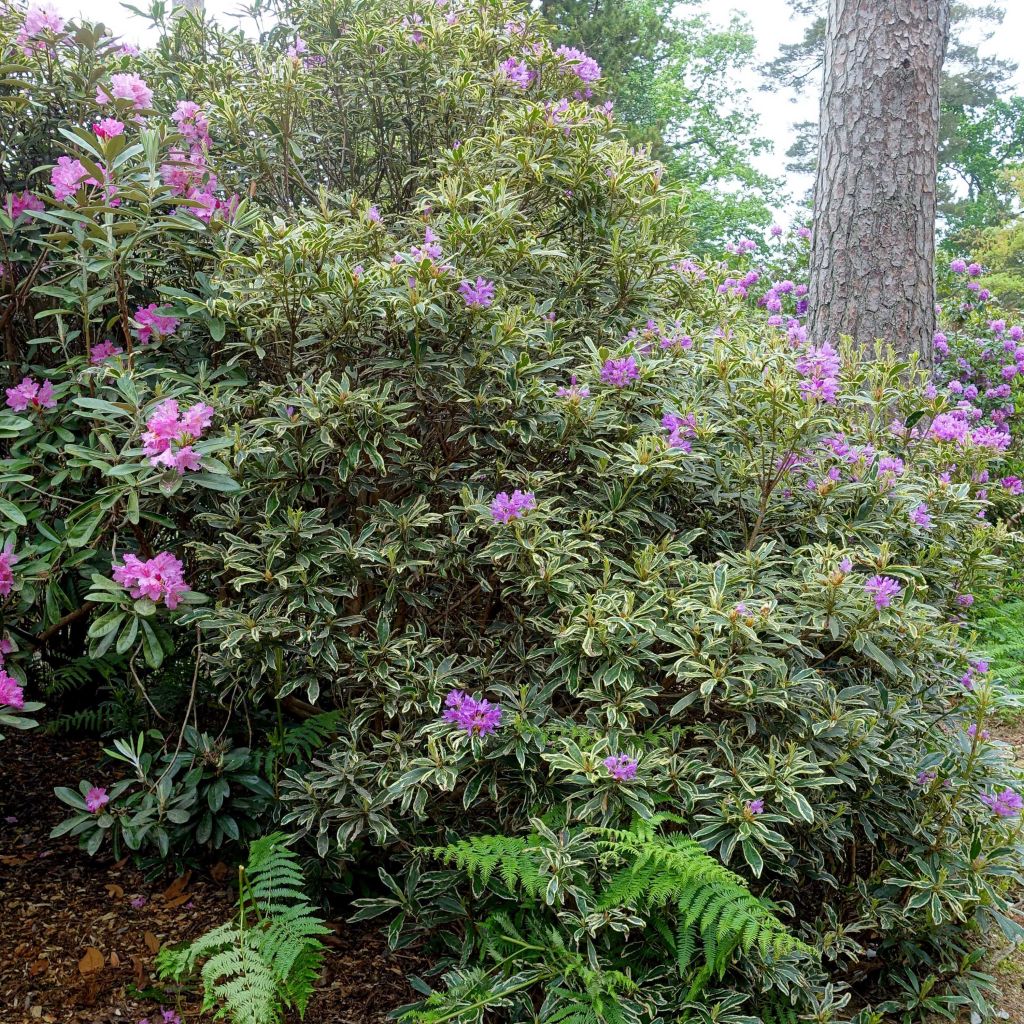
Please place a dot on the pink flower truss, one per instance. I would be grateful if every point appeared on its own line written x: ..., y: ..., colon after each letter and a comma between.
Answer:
x: 11, y: 692
x: 38, y: 20
x: 193, y: 124
x: 108, y: 128
x: 158, y: 578
x: 96, y: 799
x: 477, y: 717
x: 153, y: 324
x: 26, y: 203
x: 104, y: 351
x: 31, y: 393
x: 169, y: 436
x: 67, y: 177
x: 127, y: 86
x: 7, y: 560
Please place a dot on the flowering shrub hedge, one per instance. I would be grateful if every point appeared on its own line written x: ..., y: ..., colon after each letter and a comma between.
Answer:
x: 438, y: 426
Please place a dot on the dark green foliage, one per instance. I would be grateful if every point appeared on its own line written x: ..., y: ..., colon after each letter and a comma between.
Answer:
x: 268, y: 959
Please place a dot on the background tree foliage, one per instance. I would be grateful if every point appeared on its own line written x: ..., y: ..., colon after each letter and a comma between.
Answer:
x: 673, y: 76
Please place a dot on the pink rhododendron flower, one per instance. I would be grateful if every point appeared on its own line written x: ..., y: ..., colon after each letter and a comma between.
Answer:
x: 169, y: 435
x: 159, y: 578
x: 193, y: 124
x: 25, y: 203
x: 7, y: 560
x: 477, y: 717
x: 11, y: 693
x: 621, y: 767
x: 103, y: 351
x: 67, y: 177
x: 127, y: 86
x: 506, y: 507
x: 96, y: 799
x: 38, y: 19
x: 31, y: 393
x: 152, y: 323
x: 108, y: 128
x: 754, y: 806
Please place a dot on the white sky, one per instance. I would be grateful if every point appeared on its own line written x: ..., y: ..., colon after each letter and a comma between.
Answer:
x: 772, y: 22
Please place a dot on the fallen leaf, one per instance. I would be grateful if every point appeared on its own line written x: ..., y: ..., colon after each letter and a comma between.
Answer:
x: 178, y: 901
x: 219, y: 871
x: 177, y: 887
x: 92, y: 961
x: 115, y: 960
x: 138, y: 968
x: 152, y: 942
x: 114, y: 890
x: 38, y: 967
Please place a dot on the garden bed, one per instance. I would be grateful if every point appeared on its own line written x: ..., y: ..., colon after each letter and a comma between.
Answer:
x: 79, y: 934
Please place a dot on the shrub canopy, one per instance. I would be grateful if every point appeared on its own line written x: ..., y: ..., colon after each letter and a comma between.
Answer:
x: 382, y: 383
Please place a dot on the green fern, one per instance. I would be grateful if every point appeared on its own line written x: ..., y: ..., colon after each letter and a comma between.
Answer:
x: 89, y: 720
x: 515, y: 857
x: 266, y: 960
x: 711, y: 902
x: 1001, y: 638
x: 300, y: 742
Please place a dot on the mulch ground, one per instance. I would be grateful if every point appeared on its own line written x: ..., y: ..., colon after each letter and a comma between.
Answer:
x: 78, y: 935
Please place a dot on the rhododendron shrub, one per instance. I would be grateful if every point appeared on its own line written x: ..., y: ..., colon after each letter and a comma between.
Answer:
x: 462, y: 445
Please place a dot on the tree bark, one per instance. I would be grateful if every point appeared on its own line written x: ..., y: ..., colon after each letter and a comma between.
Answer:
x: 873, y: 244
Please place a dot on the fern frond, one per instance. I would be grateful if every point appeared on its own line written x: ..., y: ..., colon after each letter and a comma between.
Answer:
x: 268, y: 959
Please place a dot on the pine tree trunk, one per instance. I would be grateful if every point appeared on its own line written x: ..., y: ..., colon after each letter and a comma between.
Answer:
x: 873, y: 247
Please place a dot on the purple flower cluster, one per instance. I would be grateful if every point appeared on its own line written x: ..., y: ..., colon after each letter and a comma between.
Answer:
x: 506, y: 507
x: 1006, y: 804
x: 518, y: 72
x: 621, y: 767
x: 585, y: 68
x: 574, y: 392
x: 883, y: 589
x: 681, y: 430
x: 476, y: 717
x: 620, y: 372
x: 976, y: 667
x: 479, y: 295
x: 819, y: 366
